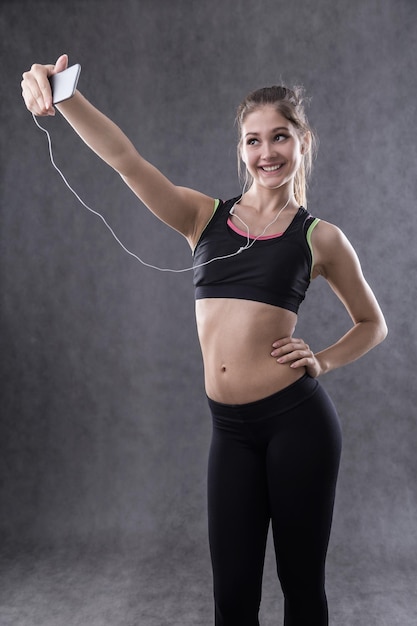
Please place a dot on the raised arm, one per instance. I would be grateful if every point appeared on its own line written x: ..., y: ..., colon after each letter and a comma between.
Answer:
x: 185, y: 210
x: 337, y: 261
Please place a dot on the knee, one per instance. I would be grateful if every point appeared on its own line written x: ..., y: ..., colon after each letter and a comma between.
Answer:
x: 305, y: 600
x: 237, y: 604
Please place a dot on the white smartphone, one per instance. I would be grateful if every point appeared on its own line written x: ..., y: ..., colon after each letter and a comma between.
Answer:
x: 64, y: 83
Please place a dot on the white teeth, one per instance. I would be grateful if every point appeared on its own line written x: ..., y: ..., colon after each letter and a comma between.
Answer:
x: 272, y: 168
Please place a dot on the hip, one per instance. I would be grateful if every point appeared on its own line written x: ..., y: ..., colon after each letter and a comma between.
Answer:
x: 304, y: 407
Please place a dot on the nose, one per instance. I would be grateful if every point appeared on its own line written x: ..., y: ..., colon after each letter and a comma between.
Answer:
x: 269, y: 150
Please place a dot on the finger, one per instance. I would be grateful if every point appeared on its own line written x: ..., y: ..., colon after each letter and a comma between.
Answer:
x: 61, y: 64
x: 281, y: 342
x: 32, y: 96
x: 294, y: 355
x: 295, y: 344
x: 286, y: 340
x: 301, y: 363
x: 36, y: 89
x: 35, y: 101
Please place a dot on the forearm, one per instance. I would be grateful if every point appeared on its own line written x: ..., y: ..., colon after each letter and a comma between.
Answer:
x: 355, y: 343
x: 104, y: 137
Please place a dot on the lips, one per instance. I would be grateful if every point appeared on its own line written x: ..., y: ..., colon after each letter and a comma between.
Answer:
x: 271, y: 168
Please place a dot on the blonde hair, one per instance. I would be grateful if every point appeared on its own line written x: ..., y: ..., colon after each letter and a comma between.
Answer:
x: 288, y: 102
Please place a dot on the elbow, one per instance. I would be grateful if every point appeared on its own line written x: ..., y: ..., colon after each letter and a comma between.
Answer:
x: 384, y: 331
x: 381, y: 330
x: 375, y: 330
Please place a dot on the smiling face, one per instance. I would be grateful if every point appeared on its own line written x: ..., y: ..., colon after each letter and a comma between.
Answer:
x: 271, y: 147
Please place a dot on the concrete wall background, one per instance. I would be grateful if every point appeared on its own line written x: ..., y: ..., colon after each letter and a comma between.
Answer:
x: 104, y: 427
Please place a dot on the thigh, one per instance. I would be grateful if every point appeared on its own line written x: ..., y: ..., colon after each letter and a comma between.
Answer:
x: 238, y: 521
x: 303, y: 462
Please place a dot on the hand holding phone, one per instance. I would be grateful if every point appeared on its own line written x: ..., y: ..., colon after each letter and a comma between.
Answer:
x: 64, y: 84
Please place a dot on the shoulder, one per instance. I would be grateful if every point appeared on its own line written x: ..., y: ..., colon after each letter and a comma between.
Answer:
x: 328, y: 235
x: 331, y: 249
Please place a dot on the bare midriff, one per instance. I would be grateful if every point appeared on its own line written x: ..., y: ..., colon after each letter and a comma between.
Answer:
x: 236, y: 338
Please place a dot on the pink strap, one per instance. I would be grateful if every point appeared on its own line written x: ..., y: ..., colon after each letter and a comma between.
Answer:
x: 244, y: 234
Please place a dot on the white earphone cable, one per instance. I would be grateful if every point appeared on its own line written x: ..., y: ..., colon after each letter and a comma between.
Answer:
x: 248, y: 244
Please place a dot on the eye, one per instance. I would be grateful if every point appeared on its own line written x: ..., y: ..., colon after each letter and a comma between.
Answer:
x: 280, y: 137
x: 251, y: 141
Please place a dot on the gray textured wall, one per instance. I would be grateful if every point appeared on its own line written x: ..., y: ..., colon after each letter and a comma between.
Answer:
x: 104, y: 427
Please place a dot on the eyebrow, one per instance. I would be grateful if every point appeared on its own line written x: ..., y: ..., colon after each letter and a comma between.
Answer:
x: 274, y: 130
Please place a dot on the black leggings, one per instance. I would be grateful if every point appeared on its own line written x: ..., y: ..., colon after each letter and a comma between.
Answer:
x: 274, y: 459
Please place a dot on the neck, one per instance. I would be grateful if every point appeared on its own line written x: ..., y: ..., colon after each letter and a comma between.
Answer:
x: 267, y: 200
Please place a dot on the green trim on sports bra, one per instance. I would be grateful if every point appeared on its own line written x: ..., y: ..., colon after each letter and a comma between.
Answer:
x: 308, y: 237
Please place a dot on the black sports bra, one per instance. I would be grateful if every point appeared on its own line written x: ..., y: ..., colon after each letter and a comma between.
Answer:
x: 275, y: 271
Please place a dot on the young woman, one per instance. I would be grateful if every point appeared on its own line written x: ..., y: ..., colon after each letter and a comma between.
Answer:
x: 275, y: 451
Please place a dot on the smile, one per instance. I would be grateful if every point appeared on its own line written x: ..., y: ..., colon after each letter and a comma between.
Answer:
x: 270, y: 168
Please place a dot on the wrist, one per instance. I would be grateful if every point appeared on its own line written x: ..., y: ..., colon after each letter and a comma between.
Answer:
x: 323, y: 364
